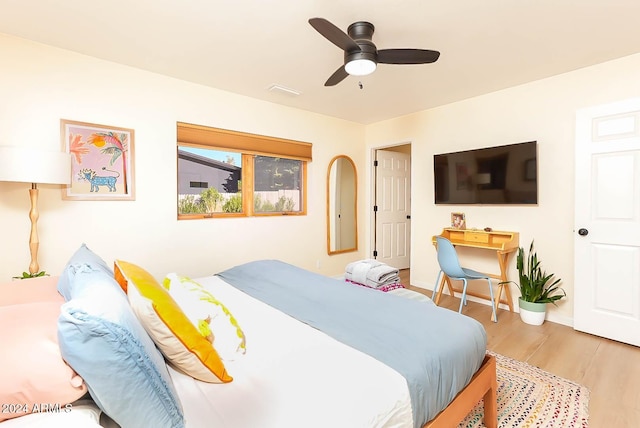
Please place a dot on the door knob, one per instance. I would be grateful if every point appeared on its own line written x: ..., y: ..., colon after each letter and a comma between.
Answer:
x: 583, y: 232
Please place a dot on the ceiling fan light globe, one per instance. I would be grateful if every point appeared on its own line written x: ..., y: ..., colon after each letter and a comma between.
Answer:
x: 360, y: 67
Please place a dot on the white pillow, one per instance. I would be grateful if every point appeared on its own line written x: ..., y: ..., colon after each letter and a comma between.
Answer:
x: 212, y: 319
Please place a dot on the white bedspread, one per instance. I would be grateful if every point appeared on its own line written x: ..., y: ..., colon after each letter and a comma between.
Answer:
x: 292, y: 376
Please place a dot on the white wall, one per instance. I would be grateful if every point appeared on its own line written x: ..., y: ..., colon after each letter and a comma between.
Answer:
x: 543, y: 111
x: 39, y: 85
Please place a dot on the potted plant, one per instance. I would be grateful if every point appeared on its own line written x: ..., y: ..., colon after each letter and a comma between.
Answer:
x: 537, y: 288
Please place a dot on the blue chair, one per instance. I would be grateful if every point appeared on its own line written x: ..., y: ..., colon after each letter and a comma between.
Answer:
x: 450, y: 266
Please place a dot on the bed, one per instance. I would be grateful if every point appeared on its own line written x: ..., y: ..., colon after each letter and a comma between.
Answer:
x: 303, y: 366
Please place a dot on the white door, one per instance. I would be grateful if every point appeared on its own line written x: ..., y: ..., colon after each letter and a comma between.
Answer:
x: 393, y: 202
x: 607, y: 228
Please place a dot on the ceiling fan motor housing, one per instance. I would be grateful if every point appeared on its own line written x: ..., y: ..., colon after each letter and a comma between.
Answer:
x: 361, y: 32
x: 368, y: 51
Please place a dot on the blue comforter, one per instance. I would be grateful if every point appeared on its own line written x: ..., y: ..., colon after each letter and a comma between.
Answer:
x: 435, y: 349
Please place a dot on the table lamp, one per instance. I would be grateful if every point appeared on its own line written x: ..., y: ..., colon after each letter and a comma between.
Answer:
x: 35, y: 166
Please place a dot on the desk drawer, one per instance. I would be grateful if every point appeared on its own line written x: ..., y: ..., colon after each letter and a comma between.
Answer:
x: 479, y: 237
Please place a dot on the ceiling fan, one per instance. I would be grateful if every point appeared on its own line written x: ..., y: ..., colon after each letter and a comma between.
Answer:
x: 360, y: 54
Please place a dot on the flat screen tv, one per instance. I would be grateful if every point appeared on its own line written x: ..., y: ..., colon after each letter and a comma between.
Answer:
x: 494, y: 175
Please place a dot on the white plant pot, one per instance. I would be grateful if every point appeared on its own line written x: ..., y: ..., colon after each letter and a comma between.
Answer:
x: 532, y: 313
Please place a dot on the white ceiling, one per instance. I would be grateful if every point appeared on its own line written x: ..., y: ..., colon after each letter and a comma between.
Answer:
x: 245, y: 46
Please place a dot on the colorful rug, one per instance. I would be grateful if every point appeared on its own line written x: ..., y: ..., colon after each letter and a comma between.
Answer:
x: 531, y: 397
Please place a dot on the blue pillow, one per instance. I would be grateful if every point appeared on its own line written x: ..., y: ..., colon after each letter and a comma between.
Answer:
x: 82, y: 257
x: 103, y: 341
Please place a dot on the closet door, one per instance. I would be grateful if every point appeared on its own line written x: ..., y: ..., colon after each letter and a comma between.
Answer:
x: 393, y: 215
x: 607, y: 221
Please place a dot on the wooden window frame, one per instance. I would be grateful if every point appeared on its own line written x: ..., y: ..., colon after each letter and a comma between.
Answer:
x: 249, y: 145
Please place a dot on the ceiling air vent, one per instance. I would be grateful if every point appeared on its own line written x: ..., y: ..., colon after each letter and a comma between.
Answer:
x: 283, y: 90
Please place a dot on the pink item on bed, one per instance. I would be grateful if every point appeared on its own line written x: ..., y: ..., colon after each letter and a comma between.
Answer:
x: 384, y: 288
x: 34, y: 371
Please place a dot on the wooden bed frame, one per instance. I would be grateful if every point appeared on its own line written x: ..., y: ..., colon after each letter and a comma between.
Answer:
x: 483, y: 384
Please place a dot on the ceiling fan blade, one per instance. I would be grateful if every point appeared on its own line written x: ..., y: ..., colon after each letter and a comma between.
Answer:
x: 338, y: 76
x: 407, y: 56
x: 334, y: 34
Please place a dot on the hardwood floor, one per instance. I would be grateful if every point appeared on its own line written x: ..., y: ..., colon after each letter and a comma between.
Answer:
x: 611, y: 370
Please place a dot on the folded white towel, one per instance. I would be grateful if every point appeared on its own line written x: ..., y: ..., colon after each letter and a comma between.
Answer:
x: 372, y: 273
x: 382, y: 273
x: 395, y: 279
x: 357, y: 271
x: 373, y: 284
x: 362, y: 263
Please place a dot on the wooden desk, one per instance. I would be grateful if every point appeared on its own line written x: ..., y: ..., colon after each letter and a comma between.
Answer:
x: 503, y: 243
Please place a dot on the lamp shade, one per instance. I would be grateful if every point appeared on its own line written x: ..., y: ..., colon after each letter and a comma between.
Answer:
x: 31, y: 165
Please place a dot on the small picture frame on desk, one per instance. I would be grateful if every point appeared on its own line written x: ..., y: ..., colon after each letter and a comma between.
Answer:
x: 458, y: 221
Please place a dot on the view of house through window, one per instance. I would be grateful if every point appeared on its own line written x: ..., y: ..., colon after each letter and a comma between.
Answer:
x: 225, y: 173
x: 210, y: 182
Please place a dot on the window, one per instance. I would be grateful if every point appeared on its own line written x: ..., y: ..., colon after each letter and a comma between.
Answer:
x: 199, y: 184
x: 213, y: 178
x: 277, y: 185
x: 225, y: 173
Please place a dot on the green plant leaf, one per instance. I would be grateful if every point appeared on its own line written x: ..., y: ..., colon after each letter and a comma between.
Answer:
x: 27, y: 275
x: 536, y: 285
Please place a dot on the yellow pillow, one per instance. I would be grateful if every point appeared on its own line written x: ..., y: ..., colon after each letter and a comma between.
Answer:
x: 179, y: 341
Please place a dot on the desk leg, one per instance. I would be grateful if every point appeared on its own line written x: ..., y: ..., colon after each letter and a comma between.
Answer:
x: 450, y: 287
x: 443, y: 280
x: 503, y: 259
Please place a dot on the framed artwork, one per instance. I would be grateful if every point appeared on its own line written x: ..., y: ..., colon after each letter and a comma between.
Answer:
x: 458, y: 221
x: 463, y: 179
x: 102, y: 160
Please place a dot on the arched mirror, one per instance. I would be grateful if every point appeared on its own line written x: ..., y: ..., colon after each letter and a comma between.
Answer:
x: 342, y: 224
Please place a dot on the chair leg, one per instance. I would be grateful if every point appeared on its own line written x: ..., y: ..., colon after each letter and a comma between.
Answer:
x: 494, y: 317
x: 463, y: 298
x: 435, y: 288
